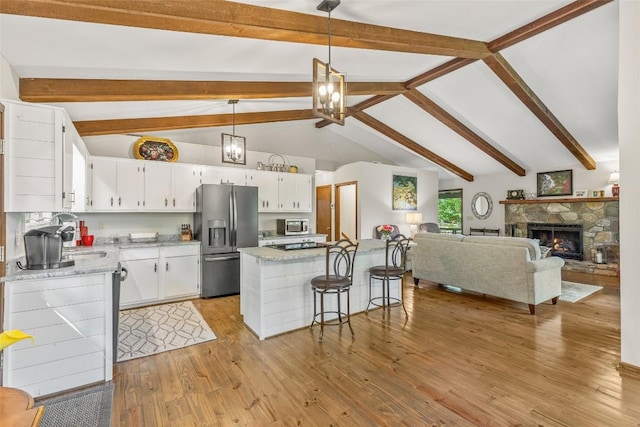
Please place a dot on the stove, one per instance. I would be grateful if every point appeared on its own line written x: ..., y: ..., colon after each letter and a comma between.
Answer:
x: 298, y: 246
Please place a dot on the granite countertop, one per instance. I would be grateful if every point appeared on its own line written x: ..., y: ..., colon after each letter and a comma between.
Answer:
x: 270, y: 254
x: 84, y: 263
x: 296, y: 236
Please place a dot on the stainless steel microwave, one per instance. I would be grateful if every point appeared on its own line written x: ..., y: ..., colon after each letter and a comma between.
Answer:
x: 288, y: 227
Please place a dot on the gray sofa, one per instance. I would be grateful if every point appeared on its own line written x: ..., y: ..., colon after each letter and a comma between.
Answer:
x: 505, y: 267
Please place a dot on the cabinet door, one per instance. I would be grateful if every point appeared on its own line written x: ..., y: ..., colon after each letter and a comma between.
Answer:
x: 184, y: 181
x: 141, y: 283
x: 181, y: 276
x: 33, y: 163
x: 235, y: 176
x: 103, y: 183
x: 157, y: 185
x: 130, y: 185
x: 295, y: 192
x: 267, y: 183
x: 210, y: 175
x: 67, y: 163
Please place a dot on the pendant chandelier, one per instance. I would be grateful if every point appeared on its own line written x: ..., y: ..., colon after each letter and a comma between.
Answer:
x: 329, y: 85
x: 234, y: 147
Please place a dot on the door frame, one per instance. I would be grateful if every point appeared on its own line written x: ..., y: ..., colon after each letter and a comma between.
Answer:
x: 331, y: 210
x: 336, y: 213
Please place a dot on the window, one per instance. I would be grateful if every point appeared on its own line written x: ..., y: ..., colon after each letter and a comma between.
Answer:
x: 450, y: 210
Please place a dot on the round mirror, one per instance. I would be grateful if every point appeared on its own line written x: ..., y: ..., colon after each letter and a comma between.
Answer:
x: 481, y: 205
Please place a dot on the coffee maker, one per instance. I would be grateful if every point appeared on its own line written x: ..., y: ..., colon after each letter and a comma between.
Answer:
x: 43, y: 247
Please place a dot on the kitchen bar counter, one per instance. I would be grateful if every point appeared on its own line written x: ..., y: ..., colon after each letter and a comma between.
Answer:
x: 84, y: 264
x: 275, y: 290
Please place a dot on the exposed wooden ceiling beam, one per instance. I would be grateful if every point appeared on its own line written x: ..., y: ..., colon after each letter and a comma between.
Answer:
x: 438, y: 71
x: 151, y: 124
x: 458, y: 127
x: 358, y: 107
x: 411, y: 145
x: 550, y: 20
x: 100, y: 90
x: 227, y: 18
x: 512, y: 79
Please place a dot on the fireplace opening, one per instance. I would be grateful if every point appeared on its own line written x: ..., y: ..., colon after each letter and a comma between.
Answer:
x: 564, y: 240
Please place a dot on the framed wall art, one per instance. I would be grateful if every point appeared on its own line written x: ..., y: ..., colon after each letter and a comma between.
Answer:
x: 405, y: 193
x: 556, y: 183
x: 155, y: 148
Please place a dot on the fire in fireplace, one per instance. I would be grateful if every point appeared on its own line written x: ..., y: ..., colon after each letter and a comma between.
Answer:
x: 564, y: 240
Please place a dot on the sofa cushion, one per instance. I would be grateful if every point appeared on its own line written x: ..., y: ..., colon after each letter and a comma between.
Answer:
x: 530, y: 244
x: 439, y: 236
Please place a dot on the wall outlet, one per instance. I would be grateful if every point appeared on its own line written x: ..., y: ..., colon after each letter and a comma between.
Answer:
x: 18, y: 238
x: 101, y: 226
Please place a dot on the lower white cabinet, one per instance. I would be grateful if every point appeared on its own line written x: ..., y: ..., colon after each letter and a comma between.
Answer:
x: 70, y: 319
x: 159, y: 274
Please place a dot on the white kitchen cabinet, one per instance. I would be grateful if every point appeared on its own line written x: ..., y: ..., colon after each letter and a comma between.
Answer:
x: 159, y: 274
x: 157, y: 185
x: 70, y: 319
x: 116, y: 184
x: 222, y: 175
x: 267, y: 183
x: 294, y: 192
x: 141, y: 284
x: 33, y: 157
x: 184, y: 181
x: 181, y: 275
x: 170, y: 186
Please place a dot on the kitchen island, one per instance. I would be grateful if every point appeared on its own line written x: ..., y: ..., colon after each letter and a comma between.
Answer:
x: 275, y: 290
x: 70, y: 312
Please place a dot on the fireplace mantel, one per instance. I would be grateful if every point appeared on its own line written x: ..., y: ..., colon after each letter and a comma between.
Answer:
x: 560, y: 200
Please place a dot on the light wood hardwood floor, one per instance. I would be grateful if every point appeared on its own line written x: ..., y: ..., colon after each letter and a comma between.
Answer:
x: 459, y: 359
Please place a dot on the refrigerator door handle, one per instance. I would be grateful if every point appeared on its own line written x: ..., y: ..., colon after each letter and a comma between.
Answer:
x: 234, y: 218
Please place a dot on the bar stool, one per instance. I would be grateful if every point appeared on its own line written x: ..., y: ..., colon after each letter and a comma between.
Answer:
x: 337, y: 280
x: 394, y: 268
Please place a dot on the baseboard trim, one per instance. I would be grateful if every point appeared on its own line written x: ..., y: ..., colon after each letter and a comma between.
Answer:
x: 629, y: 371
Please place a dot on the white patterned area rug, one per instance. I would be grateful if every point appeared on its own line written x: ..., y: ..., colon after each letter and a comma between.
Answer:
x: 150, y: 330
x: 574, y: 292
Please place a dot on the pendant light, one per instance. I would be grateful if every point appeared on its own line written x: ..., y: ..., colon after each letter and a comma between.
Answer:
x: 329, y: 85
x: 234, y: 147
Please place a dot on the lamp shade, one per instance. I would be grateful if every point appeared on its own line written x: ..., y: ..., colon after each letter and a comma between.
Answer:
x: 614, y: 178
x: 414, y: 218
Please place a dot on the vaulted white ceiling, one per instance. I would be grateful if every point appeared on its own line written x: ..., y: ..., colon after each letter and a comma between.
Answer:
x: 571, y: 67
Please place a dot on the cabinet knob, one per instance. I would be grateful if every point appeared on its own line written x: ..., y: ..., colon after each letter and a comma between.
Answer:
x: 155, y: 267
x: 111, y: 201
x: 166, y: 202
x: 166, y: 268
x: 119, y: 201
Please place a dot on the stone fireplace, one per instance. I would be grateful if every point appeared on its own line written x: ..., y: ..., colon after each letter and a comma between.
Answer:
x: 564, y: 240
x: 598, y: 218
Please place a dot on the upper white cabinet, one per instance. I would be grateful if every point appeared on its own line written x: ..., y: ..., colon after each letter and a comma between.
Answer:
x: 295, y: 192
x: 267, y: 183
x: 74, y: 166
x: 222, y: 175
x: 33, y: 157
x: 170, y: 186
x: 281, y: 192
x: 116, y: 184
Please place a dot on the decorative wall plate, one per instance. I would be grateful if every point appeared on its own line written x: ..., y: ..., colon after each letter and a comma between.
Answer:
x: 155, y: 148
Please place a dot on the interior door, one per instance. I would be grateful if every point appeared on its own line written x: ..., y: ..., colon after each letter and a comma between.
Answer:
x: 323, y: 210
x: 346, y: 216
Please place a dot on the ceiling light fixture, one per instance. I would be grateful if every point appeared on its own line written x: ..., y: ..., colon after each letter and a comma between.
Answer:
x: 329, y: 85
x: 234, y: 147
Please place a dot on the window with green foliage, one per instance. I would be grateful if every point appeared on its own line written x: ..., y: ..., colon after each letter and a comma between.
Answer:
x: 450, y: 210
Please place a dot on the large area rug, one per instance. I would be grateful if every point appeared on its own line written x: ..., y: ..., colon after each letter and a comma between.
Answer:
x: 90, y: 407
x: 574, y: 292
x: 150, y: 330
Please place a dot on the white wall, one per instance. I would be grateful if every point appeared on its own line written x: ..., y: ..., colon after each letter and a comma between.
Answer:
x: 374, y: 194
x: 8, y: 80
x: 497, y: 186
x: 629, y: 134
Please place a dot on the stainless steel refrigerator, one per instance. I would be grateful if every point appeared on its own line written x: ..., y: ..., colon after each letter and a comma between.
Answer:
x: 226, y: 219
